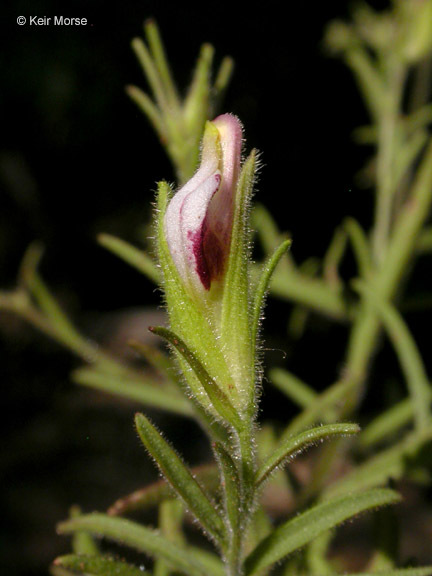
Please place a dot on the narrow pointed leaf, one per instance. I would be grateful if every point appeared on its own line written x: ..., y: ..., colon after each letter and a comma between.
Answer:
x: 196, y: 102
x: 263, y: 284
x: 307, y: 526
x: 333, y: 257
x: 360, y: 245
x: 158, y: 52
x: 97, y: 566
x: 130, y: 254
x: 269, y: 235
x: 408, y: 154
x: 147, y: 106
x: 407, y: 352
x: 222, y: 81
x: 296, y: 390
x: 161, y: 362
x: 422, y: 571
x: 83, y: 543
x: 171, y: 513
x: 147, y: 394
x: 321, y: 406
x: 186, y: 559
x: 151, y: 73
x: 370, y: 82
x: 180, y: 477
x: 390, y: 463
x: 296, y: 444
x: 424, y: 241
x: 34, y: 283
x: 387, y: 423
x: 218, y: 398
x: 150, y: 496
x: 231, y: 488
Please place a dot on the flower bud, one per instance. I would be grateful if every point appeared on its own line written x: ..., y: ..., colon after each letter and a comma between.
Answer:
x: 199, y: 218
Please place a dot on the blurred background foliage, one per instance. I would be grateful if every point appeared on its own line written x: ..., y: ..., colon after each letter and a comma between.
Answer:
x: 77, y: 158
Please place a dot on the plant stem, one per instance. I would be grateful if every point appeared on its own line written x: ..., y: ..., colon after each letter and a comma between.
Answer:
x: 386, y: 153
x: 246, y: 495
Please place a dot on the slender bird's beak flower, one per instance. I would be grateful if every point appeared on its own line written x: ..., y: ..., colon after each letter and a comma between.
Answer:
x: 203, y: 244
x: 199, y: 218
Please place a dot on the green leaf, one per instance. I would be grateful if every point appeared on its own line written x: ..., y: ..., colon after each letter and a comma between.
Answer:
x: 360, y: 245
x: 378, y: 470
x: 269, y: 234
x: 369, y: 79
x: 407, y: 352
x: 62, y: 328
x: 423, y: 571
x: 83, y: 543
x: 97, y: 566
x: 387, y: 423
x: 296, y: 390
x: 152, y: 495
x: 186, y: 559
x: 313, y: 293
x: 321, y: 407
x: 156, y: 396
x: 231, y: 485
x: 130, y: 254
x: 221, y: 82
x: 147, y: 106
x: 305, y: 527
x: 263, y: 284
x: 424, y: 241
x: 217, y: 396
x: 293, y: 446
x: 333, y: 257
x: 161, y: 362
x: 171, y: 514
x: 197, y: 99
x: 158, y: 53
x: 151, y: 73
x: 180, y: 478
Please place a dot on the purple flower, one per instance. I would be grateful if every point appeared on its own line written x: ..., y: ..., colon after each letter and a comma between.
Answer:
x: 199, y: 218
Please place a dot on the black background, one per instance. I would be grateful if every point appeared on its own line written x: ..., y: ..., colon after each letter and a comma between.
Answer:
x: 77, y: 158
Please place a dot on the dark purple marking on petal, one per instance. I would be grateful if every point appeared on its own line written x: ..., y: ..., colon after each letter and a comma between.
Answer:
x: 209, y: 249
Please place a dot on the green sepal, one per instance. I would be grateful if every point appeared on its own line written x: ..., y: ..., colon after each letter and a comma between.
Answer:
x: 236, y: 327
x: 302, y: 529
x: 180, y: 478
x: 217, y: 397
x: 97, y: 566
x: 297, y: 444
